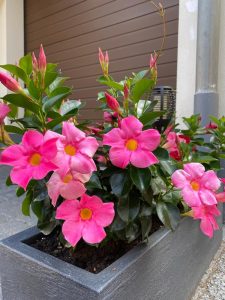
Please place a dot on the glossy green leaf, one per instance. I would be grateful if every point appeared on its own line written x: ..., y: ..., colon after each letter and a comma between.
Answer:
x: 118, y: 224
x: 26, y: 204
x: 50, y: 102
x: 128, y: 207
x: 70, y: 106
x: 25, y: 63
x: 141, y: 178
x: 16, y: 71
x: 58, y: 121
x: 140, y: 75
x: 94, y: 182
x: 111, y: 83
x: 13, y: 129
x: 22, y: 101
x: 20, y: 191
x: 168, y: 214
x: 146, y: 225
x: 59, y: 81
x: 49, y: 78
x: 150, y: 117
x: 132, y: 232
x: 120, y: 184
x: 8, y: 181
x: 140, y: 88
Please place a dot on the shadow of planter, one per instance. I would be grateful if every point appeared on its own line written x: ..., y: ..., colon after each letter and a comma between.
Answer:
x: 169, y: 267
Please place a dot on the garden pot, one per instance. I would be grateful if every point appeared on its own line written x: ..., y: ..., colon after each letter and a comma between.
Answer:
x: 169, y: 267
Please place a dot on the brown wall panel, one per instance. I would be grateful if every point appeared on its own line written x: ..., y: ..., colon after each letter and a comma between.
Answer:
x: 72, y: 31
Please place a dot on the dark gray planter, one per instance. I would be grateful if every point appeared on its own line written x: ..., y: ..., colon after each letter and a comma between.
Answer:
x: 169, y: 267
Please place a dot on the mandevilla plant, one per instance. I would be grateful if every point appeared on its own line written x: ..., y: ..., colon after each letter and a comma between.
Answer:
x: 116, y: 178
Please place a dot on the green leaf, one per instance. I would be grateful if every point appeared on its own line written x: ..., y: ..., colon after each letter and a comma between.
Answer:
x: 22, y: 101
x: 56, y: 83
x: 150, y: 117
x: 172, y: 197
x: 33, y: 91
x: 158, y: 185
x: 140, y: 88
x: 128, y: 208
x: 118, y: 224
x: 20, y: 191
x: 146, y: 225
x: 49, y: 78
x: 26, y: 204
x: 9, y: 181
x: 16, y: 71
x: 13, y: 129
x: 139, y: 76
x: 168, y: 214
x: 49, y: 103
x: 204, y: 159
x: 70, y: 106
x: 47, y: 227
x: 60, y: 90
x: 94, y: 182
x: 59, y: 120
x: 25, y: 63
x: 132, y: 232
x: 14, y: 111
x: 37, y: 208
x: 141, y: 178
x: 120, y: 184
x: 111, y: 83
x: 168, y: 166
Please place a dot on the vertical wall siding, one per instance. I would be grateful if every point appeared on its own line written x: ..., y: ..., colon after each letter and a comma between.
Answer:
x: 72, y: 30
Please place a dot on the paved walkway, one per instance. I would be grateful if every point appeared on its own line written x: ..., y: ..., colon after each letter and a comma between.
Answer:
x: 212, y: 286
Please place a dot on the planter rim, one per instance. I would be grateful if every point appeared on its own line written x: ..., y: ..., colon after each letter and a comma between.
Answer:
x: 100, y: 280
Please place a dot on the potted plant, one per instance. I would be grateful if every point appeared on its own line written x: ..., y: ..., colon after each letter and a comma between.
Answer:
x: 115, y: 202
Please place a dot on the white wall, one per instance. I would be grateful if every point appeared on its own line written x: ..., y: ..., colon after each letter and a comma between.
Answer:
x: 221, y: 71
x: 186, y: 61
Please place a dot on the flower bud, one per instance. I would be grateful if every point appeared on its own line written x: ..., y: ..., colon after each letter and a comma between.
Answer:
x: 112, y: 103
x: 126, y: 91
x: 104, y: 61
x: 4, y: 110
x: 42, y: 60
x: 34, y: 63
x: 153, y: 59
x: 10, y: 83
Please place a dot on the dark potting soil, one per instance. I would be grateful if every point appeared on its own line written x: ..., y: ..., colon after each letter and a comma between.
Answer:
x: 89, y: 258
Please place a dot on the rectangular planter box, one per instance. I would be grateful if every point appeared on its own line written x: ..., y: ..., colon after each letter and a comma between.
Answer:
x: 169, y: 267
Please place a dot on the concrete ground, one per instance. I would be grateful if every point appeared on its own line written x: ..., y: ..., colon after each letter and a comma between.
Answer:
x: 212, y: 286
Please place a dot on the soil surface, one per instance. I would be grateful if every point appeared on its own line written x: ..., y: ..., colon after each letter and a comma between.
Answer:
x: 89, y: 258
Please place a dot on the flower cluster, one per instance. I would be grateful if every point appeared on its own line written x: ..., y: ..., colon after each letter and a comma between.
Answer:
x: 113, y: 178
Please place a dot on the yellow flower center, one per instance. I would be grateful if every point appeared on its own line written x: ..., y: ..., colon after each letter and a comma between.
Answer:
x: 131, y: 145
x: 85, y: 214
x: 70, y: 150
x: 195, y: 185
x: 67, y: 178
x: 35, y: 159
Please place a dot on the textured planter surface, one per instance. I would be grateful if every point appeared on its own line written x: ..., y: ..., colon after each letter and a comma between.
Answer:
x: 168, y: 268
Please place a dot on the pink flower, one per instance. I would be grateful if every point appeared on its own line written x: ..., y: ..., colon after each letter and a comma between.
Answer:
x: 75, y: 149
x: 172, y: 144
x: 4, y: 110
x: 10, y: 83
x: 110, y: 117
x: 207, y: 213
x: 67, y: 183
x: 211, y: 126
x: 104, y: 61
x: 129, y: 144
x: 198, y: 187
x: 42, y: 60
x: 30, y: 159
x: 112, y: 103
x: 85, y: 219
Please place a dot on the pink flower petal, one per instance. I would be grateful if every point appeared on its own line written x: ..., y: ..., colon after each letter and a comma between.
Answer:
x: 72, y: 190
x: 213, y: 222
x: 131, y: 126
x: 68, y: 210
x: 21, y: 176
x: 119, y: 157
x: 195, y: 170
x: 210, y: 180
x: 206, y: 227
x: 91, y: 202
x: 72, y: 133
x: 143, y: 158
x: 39, y: 172
x: 81, y: 177
x: 88, y: 146
x: 104, y: 215
x: 93, y: 233
x: 49, y: 149
x: 180, y: 179
x: 207, y: 197
x: 32, y: 139
x: 72, y: 231
x: 115, y: 137
x: 82, y: 163
x: 149, y: 139
x: 13, y: 156
x: 190, y: 196
x: 53, y: 186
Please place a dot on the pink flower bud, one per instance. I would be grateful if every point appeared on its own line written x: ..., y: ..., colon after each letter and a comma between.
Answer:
x: 4, y: 110
x: 34, y: 62
x: 112, y: 102
x: 108, y: 117
x: 104, y: 61
x: 101, y: 56
x: 153, y: 59
x: 211, y: 126
x: 42, y: 60
x: 126, y: 91
x: 9, y: 82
